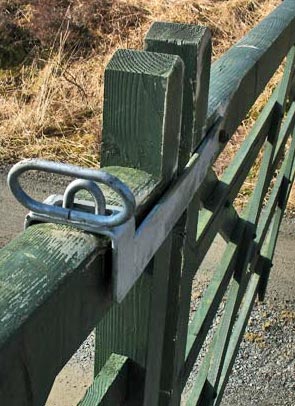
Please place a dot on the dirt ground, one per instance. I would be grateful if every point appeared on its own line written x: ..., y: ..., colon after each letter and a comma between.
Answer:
x: 73, y: 380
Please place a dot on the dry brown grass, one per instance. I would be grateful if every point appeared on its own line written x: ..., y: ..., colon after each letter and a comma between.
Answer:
x: 51, y: 107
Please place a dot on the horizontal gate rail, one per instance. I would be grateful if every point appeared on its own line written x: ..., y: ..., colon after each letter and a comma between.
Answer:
x: 166, y: 112
x: 240, y: 75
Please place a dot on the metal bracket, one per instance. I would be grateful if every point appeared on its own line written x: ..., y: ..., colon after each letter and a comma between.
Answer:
x: 96, y: 217
x: 133, y: 248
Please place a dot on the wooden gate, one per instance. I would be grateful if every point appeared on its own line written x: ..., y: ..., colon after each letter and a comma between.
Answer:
x: 168, y: 114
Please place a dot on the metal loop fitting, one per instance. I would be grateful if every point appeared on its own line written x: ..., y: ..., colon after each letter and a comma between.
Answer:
x: 92, y: 188
x: 86, y: 178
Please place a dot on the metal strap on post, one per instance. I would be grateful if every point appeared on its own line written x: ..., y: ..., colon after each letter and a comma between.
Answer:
x: 132, y: 248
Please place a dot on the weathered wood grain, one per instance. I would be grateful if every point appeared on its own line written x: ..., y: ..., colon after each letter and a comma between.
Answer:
x: 202, y: 389
x: 53, y: 290
x: 287, y: 177
x: 110, y: 386
x: 271, y: 160
x: 55, y: 281
x: 152, y: 95
x: 240, y: 283
x: 192, y: 43
x: 240, y: 75
x: 158, y: 310
x: 252, y: 217
x: 203, y: 318
x: 141, y: 93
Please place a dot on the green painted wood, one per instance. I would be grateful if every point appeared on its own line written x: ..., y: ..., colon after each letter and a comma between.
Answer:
x: 285, y: 132
x: 208, y: 306
x: 262, y: 126
x: 193, y: 44
x: 146, y: 89
x: 236, y: 173
x: 280, y: 195
x: 217, y: 195
x: 125, y: 328
x: 238, y: 332
x: 265, y: 172
x: 267, y: 252
x: 224, y: 222
x: 188, y: 270
x: 171, y: 321
x: 52, y: 285
x: 197, y: 322
x: 158, y: 309
x: 209, y: 303
x: 143, y: 185
x: 201, y: 383
x: 54, y: 282
x: 241, y: 277
x: 202, y: 392
x: 286, y: 83
x: 234, y: 298
x: 109, y: 388
x: 208, y: 229
x: 285, y: 89
x: 276, y: 197
x: 141, y: 92
x: 241, y: 74
x: 238, y: 284
x: 236, y: 294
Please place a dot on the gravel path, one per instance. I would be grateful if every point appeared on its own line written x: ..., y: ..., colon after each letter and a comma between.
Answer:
x: 264, y: 371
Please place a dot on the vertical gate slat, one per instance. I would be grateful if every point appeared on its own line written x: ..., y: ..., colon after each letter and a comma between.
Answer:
x: 193, y: 45
x: 158, y: 309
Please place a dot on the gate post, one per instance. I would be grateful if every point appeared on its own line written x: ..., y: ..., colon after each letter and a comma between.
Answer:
x: 141, y: 129
x: 193, y: 44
